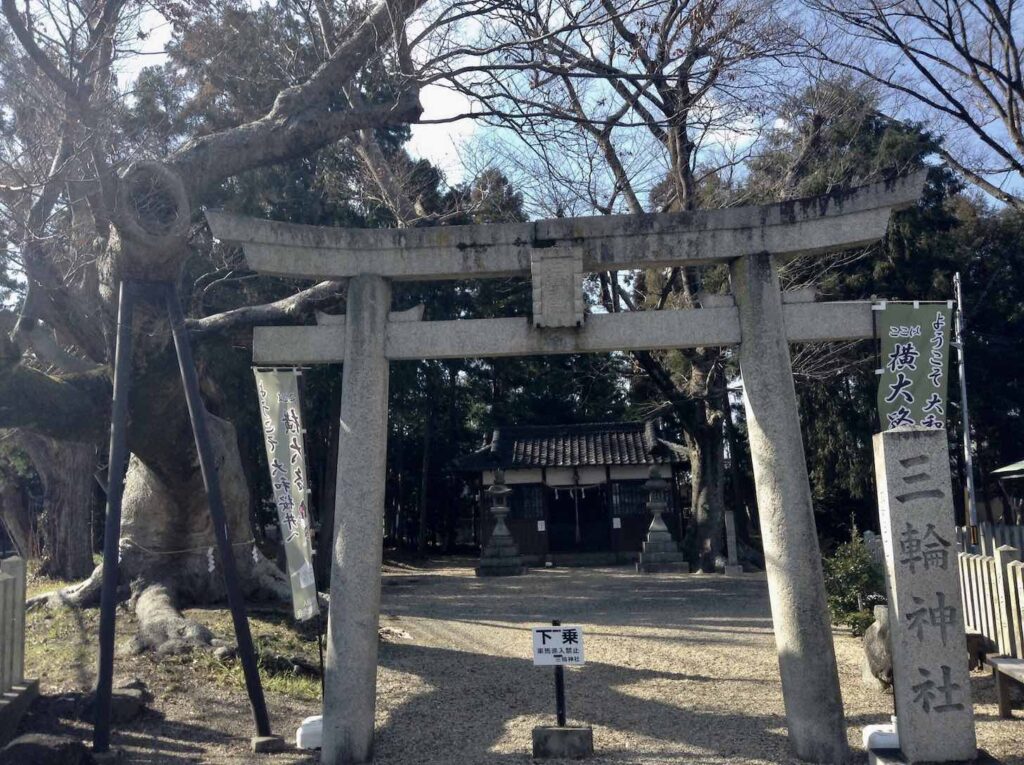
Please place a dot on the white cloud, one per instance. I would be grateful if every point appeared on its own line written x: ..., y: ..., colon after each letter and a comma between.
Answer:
x: 148, y: 51
x: 442, y: 143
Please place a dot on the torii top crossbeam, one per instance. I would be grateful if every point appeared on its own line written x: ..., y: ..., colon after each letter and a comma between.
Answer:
x: 800, y: 227
x: 557, y: 253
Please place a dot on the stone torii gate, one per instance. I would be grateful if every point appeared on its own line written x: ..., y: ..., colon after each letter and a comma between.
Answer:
x: 554, y: 254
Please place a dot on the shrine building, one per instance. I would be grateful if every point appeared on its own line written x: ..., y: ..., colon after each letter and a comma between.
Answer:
x: 578, y: 494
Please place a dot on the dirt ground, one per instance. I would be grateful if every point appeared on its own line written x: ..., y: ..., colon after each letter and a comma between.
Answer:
x: 679, y: 669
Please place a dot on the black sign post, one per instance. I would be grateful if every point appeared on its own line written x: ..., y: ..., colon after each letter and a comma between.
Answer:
x: 566, y: 647
x: 559, y: 687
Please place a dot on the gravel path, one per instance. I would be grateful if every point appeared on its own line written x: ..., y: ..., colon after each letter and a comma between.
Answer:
x: 679, y: 669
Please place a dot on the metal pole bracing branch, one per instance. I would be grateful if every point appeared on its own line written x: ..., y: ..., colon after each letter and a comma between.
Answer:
x: 112, y: 527
x: 208, y: 467
x: 958, y: 343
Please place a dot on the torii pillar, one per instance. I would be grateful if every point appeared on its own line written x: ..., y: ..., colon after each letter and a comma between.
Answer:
x: 796, y: 586
x: 351, y: 666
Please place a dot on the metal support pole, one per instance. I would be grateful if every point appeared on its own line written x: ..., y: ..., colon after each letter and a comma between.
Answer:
x: 559, y: 687
x: 958, y: 343
x: 207, y: 464
x: 112, y: 528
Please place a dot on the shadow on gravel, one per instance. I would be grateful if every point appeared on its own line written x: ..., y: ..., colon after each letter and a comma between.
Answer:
x: 151, y: 739
x: 474, y: 697
x: 477, y: 702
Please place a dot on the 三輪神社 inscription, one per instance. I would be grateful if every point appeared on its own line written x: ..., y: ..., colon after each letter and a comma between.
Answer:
x: 931, y: 681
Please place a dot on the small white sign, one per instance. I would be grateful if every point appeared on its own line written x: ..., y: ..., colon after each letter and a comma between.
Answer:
x: 616, y: 523
x: 306, y: 577
x: 541, y: 526
x: 553, y: 646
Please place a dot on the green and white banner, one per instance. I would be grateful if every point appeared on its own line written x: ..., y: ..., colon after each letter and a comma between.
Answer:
x: 286, y: 455
x: 913, y: 379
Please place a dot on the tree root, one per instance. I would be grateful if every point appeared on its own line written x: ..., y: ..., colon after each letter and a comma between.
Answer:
x: 266, y: 581
x: 162, y: 628
x: 82, y: 595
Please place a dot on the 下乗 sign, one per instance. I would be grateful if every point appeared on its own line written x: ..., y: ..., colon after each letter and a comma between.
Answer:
x: 281, y: 419
x: 912, y: 380
x: 555, y: 646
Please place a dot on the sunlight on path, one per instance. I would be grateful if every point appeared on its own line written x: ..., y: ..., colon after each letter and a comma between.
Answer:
x: 679, y: 669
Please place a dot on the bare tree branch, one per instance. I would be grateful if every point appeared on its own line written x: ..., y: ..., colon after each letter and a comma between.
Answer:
x: 303, y: 118
x: 953, y: 65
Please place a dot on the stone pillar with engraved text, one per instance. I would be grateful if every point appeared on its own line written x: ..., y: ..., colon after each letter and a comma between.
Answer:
x: 931, y: 680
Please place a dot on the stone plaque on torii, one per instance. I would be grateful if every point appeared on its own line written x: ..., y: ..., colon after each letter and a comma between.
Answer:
x: 555, y: 254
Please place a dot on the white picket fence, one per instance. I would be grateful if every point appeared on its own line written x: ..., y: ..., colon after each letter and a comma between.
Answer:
x: 991, y: 536
x: 12, y: 623
x: 992, y: 589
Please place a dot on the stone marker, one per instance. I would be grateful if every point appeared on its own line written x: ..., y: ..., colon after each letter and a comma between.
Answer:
x: 660, y: 552
x: 500, y: 557
x: 931, y: 682
x: 732, y: 565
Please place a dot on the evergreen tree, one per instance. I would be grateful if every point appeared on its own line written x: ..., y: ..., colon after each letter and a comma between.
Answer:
x: 834, y: 137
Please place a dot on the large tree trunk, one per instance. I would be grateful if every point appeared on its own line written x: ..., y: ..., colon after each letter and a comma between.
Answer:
x: 16, y: 519
x: 168, y: 553
x: 424, y: 508
x: 744, y: 502
x: 143, y: 219
x: 707, y: 472
x: 67, y: 471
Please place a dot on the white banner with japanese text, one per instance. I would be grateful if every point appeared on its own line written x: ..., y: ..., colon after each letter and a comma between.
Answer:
x: 281, y: 421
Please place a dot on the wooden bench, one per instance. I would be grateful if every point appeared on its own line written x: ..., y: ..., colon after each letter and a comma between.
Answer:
x: 992, y: 590
x: 1006, y: 670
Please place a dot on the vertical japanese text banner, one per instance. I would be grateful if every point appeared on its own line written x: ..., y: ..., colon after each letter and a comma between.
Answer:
x: 282, y: 433
x: 912, y: 381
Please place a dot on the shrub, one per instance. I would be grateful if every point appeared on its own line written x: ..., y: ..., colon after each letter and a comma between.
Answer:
x: 854, y: 585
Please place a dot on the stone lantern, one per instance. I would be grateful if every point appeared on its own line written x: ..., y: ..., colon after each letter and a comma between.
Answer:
x: 500, y: 557
x: 660, y: 552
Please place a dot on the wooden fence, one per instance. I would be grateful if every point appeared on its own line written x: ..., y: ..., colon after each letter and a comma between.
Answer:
x: 992, y: 589
x: 12, y: 623
x: 991, y: 536
x: 15, y: 692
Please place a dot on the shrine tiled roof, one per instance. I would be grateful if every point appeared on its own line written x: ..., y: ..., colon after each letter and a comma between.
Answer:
x: 599, y: 443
